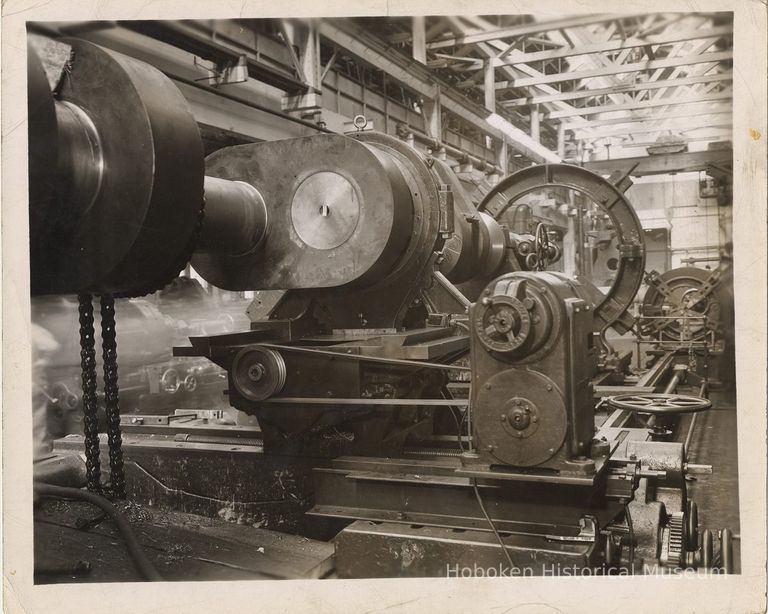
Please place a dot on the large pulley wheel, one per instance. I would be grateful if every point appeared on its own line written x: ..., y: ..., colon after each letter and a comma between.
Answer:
x: 126, y: 198
x: 659, y: 404
x: 611, y: 308
x: 258, y: 373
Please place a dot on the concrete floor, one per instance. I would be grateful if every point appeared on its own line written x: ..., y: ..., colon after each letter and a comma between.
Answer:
x: 714, y: 443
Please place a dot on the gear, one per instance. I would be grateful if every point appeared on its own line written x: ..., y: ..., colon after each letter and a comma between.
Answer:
x: 673, y: 540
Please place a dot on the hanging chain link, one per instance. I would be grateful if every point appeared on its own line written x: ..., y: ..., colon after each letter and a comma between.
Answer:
x: 112, y: 396
x: 90, y: 400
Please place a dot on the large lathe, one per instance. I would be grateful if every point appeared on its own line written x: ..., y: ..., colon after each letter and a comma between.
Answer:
x: 374, y: 275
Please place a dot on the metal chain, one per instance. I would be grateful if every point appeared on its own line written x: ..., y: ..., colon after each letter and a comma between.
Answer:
x: 90, y: 401
x: 111, y: 396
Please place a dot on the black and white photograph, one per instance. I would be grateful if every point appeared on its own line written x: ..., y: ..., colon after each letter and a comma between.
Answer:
x: 348, y: 297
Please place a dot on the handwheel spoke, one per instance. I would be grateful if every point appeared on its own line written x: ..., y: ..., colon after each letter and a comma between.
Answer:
x: 659, y: 403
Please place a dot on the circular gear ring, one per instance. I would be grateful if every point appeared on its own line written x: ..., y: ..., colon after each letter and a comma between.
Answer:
x: 611, y: 309
x: 258, y: 373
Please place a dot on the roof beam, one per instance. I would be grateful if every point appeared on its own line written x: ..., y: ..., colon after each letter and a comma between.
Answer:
x: 617, y: 69
x: 663, y: 163
x: 618, y: 89
x: 646, y: 104
x: 615, y: 45
x: 674, y: 127
x: 525, y: 29
x: 710, y: 138
x: 646, y: 118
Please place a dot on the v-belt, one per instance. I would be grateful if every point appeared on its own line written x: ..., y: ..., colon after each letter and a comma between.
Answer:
x: 376, y: 359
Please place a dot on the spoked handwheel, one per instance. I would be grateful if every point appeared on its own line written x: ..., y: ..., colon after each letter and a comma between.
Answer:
x: 659, y: 404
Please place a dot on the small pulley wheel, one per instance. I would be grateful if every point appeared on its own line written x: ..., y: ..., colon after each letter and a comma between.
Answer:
x: 658, y: 403
x: 503, y: 323
x: 258, y: 373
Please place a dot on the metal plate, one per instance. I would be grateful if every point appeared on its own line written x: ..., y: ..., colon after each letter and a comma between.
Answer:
x: 540, y: 444
x: 325, y: 210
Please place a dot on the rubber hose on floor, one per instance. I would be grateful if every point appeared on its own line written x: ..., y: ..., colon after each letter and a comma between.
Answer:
x: 140, y: 560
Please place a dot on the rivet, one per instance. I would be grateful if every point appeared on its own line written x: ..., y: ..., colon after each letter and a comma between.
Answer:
x: 549, y: 387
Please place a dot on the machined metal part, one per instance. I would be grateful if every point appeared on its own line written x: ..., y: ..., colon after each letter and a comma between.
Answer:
x: 659, y: 403
x: 258, y: 373
x: 683, y: 304
x: 610, y: 309
x: 529, y: 429
x: 533, y: 363
x: 235, y: 218
x: 331, y: 201
x: 666, y: 456
x: 128, y: 186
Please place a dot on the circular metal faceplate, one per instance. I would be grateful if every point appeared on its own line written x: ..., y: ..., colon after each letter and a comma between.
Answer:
x: 683, y: 285
x: 540, y: 442
x: 258, y: 373
x: 325, y: 210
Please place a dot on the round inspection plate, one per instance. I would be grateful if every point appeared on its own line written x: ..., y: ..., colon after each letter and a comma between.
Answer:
x: 495, y: 406
x: 325, y: 210
x: 258, y: 373
x: 658, y: 403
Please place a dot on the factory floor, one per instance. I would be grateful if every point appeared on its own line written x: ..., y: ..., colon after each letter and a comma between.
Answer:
x: 714, y: 443
x: 192, y: 547
x: 181, y: 547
